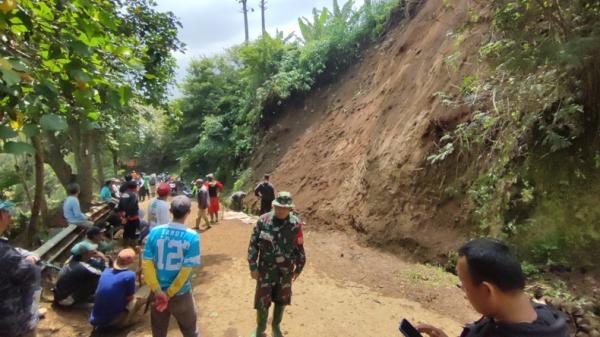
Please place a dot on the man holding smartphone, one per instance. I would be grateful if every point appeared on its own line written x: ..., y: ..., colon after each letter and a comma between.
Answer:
x: 494, y: 283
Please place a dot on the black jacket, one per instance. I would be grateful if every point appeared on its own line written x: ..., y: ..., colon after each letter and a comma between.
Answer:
x: 265, y: 191
x: 550, y: 323
x: 129, y: 204
x: 19, y: 279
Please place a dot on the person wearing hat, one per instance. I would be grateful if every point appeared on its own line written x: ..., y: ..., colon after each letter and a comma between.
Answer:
x: 203, y: 198
x: 19, y: 280
x: 129, y: 210
x: 72, y: 209
x: 170, y: 253
x: 78, y: 278
x: 93, y: 242
x: 115, y: 302
x: 276, y: 258
x: 158, y: 210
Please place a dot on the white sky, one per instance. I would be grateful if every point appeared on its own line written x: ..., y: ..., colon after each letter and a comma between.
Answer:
x: 210, y: 26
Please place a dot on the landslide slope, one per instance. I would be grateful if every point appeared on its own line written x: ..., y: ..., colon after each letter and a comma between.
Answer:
x: 354, y: 153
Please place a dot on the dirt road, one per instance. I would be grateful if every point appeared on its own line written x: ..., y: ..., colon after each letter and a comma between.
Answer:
x: 345, y: 290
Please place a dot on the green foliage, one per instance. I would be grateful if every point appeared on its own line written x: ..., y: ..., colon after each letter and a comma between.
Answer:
x: 530, y: 269
x: 89, y: 61
x: 146, y: 140
x: 243, y: 180
x: 53, y: 123
x: 8, y: 178
x: 535, y: 128
x: 70, y: 73
x: 228, y: 100
x: 444, y: 152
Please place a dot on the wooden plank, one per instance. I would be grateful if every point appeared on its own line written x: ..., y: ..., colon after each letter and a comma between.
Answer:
x: 64, y: 247
x: 46, y: 247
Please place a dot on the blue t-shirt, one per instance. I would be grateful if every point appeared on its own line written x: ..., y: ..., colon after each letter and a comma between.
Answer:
x: 105, y: 194
x: 72, y: 210
x: 114, y: 289
x: 172, y: 247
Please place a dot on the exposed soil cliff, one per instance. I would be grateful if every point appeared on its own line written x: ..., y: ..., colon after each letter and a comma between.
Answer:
x: 354, y: 153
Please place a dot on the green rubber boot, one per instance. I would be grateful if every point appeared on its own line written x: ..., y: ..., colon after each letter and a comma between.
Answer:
x: 261, y: 323
x: 277, y: 318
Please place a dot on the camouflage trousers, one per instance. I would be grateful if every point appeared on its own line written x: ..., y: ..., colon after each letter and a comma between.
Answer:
x: 272, y: 286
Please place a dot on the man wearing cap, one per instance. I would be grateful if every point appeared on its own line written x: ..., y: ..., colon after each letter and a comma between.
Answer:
x: 276, y: 258
x: 115, y: 304
x: 93, y: 242
x: 170, y: 253
x: 18, y: 282
x: 78, y: 279
x: 158, y: 210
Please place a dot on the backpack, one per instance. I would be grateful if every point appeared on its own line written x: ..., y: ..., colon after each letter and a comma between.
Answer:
x: 152, y: 181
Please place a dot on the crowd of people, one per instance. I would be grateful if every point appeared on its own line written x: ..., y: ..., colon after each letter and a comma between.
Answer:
x: 160, y: 251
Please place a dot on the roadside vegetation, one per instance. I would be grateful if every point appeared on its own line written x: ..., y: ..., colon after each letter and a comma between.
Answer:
x: 534, y: 129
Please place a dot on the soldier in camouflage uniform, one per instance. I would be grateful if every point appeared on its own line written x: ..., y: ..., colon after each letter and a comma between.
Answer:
x: 276, y: 258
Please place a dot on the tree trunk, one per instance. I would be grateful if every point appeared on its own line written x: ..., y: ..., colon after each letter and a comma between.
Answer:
x: 245, y: 11
x: 81, y: 141
x: 23, y: 177
x: 96, y: 148
x: 115, y: 161
x: 263, y: 8
x: 38, y: 201
x: 54, y: 157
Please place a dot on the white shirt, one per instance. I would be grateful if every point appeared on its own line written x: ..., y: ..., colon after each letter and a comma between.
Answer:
x: 158, y: 213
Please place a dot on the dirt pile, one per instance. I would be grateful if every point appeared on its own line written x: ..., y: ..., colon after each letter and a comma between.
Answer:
x: 354, y: 153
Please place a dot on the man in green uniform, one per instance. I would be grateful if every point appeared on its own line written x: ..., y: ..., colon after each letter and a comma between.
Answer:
x: 276, y: 258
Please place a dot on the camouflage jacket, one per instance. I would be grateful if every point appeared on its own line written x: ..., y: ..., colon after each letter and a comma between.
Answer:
x: 277, y: 244
x: 18, y: 281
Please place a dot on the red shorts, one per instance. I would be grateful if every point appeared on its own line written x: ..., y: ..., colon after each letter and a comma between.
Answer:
x: 213, y: 208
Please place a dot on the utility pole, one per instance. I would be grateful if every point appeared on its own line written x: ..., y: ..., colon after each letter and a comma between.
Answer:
x: 263, y: 8
x: 245, y: 11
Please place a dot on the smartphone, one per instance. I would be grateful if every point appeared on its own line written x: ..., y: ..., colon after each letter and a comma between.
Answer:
x: 408, y: 330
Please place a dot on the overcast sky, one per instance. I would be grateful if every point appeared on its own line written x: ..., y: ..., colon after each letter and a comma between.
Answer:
x: 210, y: 26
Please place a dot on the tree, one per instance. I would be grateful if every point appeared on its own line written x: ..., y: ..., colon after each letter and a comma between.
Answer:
x: 71, y: 69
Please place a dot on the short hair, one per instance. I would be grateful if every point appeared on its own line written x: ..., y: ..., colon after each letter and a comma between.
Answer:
x: 490, y: 260
x: 267, y: 177
x: 73, y: 188
x: 180, y: 206
x: 128, y: 177
x: 107, y: 183
x: 93, y: 232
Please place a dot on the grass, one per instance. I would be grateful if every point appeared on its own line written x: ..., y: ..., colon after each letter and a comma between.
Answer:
x: 429, y: 275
